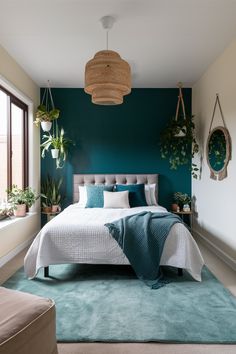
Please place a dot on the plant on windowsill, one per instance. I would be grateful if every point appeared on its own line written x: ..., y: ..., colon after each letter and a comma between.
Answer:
x: 58, y: 144
x: 6, y: 210
x: 20, y: 199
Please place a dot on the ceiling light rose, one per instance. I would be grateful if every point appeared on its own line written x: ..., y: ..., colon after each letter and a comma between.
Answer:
x: 107, y: 75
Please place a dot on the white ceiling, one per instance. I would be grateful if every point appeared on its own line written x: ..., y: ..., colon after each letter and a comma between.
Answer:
x: 165, y: 41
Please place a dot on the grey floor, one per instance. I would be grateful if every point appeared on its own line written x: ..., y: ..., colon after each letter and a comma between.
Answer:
x: 224, y: 273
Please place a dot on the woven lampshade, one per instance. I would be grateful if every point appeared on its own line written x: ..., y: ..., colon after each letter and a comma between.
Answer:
x: 107, y: 78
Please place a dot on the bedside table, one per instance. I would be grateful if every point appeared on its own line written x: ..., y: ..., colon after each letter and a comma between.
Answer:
x: 182, y: 214
x: 50, y: 215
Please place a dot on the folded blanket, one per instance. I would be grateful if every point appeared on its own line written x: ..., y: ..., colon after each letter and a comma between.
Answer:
x: 142, y: 237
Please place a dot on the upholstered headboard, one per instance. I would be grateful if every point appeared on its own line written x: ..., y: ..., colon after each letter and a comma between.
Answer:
x: 80, y: 180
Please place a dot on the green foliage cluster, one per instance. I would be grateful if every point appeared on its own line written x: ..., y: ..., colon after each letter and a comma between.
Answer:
x: 179, y: 150
x: 50, y: 189
x: 182, y: 198
x: 56, y: 141
x: 18, y: 196
x: 44, y: 115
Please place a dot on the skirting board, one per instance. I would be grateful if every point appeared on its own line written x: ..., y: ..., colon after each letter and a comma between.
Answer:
x: 15, y: 251
x: 218, y: 252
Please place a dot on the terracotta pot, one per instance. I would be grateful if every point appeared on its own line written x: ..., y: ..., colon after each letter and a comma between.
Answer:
x: 20, y: 210
x: 55, y: 153
x: 175, y: 207
x: 46, y: 126
x: 47, y: 209
x: 55, y: 208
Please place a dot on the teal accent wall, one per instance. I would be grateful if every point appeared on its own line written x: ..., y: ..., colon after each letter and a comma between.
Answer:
x: 119, y: 139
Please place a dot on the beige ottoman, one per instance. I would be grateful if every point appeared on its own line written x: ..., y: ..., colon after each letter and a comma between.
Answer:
x: 27, y: 323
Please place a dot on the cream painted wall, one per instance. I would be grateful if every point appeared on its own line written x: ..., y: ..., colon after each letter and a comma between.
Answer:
x: 215, y: 200
x: 15, y: 79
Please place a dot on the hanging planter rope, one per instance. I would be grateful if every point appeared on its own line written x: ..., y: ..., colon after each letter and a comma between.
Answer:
x: 181, y: 128
x: 177, y: 141
x: 46, y: 112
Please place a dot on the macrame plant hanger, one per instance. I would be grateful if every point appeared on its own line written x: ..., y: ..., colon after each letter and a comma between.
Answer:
x: 221, y: 174
x: 180, y: 102
x: 47, y: 100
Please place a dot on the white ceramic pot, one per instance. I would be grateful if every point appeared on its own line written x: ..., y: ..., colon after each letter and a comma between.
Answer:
x: 55, y: 153
x: 20, y: 210
x: 181, y: 133
x: 46, y: 126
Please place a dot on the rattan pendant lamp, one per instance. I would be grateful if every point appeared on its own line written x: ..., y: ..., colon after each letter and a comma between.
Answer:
x: 107, y: 75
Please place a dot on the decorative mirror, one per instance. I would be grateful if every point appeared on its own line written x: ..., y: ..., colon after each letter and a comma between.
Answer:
x: 218, y: 148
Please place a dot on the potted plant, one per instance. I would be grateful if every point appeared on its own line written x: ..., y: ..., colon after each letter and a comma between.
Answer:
x: 59, y: 145
x: 51, y: 191
x: 6, y: 210
x: 20, y: 199
x: 56, y: 196
x: 178, y: 143
x: 45, y: 117
x: 183, y: 200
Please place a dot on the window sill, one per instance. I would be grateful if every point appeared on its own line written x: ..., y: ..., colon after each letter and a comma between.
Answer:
x: 13, y: 220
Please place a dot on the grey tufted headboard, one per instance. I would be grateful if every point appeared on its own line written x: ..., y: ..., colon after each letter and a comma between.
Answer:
x: 80, y: 180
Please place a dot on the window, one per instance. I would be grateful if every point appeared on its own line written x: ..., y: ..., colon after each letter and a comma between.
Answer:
x: 13, y: 142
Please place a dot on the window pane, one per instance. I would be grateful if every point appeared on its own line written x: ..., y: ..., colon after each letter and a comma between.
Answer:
x: 3, y: 145
x: 17, y: 121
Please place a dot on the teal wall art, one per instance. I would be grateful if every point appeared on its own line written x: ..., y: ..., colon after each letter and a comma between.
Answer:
x: 119, y: 139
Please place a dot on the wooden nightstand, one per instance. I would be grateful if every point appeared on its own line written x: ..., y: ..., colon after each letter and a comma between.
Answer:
x: 189, y: 214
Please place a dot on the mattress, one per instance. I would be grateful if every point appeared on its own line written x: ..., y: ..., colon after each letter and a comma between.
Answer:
x: 78, y: 235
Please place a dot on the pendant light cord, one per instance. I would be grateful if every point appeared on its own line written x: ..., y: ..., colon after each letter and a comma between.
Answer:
x: 107, y: 39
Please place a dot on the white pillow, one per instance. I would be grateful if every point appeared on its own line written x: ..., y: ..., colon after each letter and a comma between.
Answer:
x: 150, y: 194
x: 82, y: 196
x: 116, y: 199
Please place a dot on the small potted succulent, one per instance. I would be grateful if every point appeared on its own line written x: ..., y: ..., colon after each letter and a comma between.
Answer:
x: 45, y: 117
x: 183, y: 200
x: 20, y: 199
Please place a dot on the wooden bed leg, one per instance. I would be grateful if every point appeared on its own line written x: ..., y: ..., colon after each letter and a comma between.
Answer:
x: 180, y: 272
x: 46, y: 272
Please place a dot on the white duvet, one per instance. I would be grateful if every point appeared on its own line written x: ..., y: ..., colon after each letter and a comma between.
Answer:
x: 78, y: 235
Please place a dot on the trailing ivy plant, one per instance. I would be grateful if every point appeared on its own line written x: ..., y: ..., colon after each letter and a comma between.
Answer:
x: 179, y: 150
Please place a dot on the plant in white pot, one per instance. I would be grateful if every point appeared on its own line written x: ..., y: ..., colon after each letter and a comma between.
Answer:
x: 44, y: 116
x: 20, y: 199
x: 58, y: 144
x: 46, y: 112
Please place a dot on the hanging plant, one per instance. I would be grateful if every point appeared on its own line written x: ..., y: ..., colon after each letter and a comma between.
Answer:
x: 178, y: 142
x: 46, y: 112
x: 177, y: 148
x: 58, y: 144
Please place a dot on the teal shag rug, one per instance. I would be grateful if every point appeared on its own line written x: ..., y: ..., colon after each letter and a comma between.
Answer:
x: 109, y: 304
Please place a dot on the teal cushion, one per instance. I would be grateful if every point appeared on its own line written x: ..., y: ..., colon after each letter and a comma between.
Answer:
x: 136, y: 193
x: 95, y: 197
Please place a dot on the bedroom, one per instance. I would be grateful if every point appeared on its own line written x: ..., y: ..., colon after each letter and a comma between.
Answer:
x: 164, y: 42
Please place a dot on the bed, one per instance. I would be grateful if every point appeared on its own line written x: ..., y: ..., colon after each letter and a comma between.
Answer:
x: 78, y: 234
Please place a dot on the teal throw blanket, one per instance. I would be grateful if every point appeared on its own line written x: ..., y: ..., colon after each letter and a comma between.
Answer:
x: 142, y: 237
